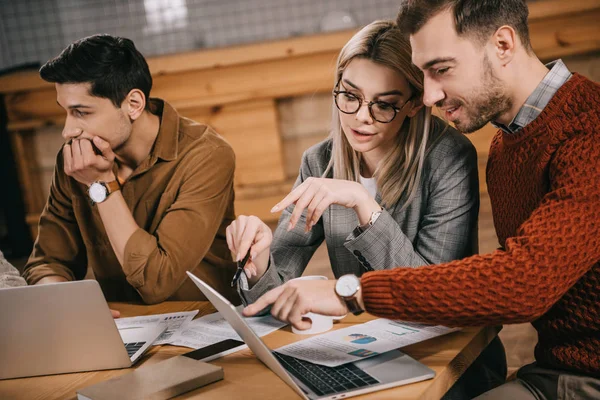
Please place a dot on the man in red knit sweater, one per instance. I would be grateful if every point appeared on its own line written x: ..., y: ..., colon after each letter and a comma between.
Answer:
x: 543, y: 179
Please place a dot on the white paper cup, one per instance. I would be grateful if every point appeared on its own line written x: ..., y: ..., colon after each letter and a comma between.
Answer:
x: 320, y: 323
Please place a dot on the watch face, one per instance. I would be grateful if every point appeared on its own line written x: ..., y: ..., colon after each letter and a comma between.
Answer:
x: 97, y: 192
x: 347, y: 285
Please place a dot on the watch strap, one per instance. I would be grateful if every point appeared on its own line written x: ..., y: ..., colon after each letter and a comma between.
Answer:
x: 352, y: 304
x: 112, y: 186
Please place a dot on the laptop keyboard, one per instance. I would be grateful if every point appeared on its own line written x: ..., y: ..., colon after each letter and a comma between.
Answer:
x: 326, y: 380
x: 132, y: 348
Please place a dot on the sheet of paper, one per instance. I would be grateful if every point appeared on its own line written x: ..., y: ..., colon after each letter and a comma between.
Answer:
x: 171, y: 321
x: 361, y: 341
x: 213, y: 328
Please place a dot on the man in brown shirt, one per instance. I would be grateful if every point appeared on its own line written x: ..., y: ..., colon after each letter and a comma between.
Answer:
x: 140, y: 195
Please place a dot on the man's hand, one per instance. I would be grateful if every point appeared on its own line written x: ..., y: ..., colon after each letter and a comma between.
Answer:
x: 296, y: 298
x: 82, y: 163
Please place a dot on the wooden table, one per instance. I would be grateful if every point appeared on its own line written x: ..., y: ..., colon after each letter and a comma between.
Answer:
x: 246, y: 377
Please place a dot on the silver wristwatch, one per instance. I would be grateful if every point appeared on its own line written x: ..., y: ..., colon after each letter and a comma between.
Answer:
x: 374, y: 216
x: 99, y: 191
x: 347, y: 288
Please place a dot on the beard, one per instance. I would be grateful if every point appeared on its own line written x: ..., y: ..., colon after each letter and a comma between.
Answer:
x: 486, y: 104
x: 124, y: 129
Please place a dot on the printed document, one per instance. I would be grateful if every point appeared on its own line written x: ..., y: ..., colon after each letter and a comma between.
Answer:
x: 172, y: 322
x: 361, y: 341
x: 213, y: 328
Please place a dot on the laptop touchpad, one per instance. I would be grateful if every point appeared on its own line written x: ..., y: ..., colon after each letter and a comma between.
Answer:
x: 393, y: 366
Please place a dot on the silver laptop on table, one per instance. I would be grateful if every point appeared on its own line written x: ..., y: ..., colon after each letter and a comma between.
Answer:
x: 313, y: 381
x: 64, y: 327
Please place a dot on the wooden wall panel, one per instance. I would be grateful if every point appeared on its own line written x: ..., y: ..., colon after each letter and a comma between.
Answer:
x: 252, y: 130
x: 566, y: 35
x: 206, y: 88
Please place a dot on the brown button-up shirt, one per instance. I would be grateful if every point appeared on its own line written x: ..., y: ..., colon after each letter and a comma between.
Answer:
x: 181, y: 197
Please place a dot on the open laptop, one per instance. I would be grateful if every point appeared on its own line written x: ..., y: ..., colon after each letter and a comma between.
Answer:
x: 64, y: 327
x: 313, y: 381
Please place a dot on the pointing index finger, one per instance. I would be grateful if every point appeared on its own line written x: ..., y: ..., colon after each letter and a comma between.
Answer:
x: 265, y: 300
x: 291, y: 198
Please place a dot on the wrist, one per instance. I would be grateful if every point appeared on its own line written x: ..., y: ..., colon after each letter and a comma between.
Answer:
x: 365, y: 207
x: 254, y: 280
x: 262, y: 264
x: 108, y: 176
x: 365, y: 215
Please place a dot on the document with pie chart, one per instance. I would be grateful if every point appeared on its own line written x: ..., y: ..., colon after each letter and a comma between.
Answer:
x: 361, y: 341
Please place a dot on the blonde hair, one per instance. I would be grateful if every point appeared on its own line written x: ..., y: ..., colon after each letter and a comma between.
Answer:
x: 399, y: 173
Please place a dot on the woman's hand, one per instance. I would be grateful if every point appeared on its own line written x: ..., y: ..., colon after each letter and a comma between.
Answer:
x: 316, y: 194
x: 250, y: 234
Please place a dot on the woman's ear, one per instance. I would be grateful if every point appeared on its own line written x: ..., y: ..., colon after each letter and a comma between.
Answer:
x: 416, y: 106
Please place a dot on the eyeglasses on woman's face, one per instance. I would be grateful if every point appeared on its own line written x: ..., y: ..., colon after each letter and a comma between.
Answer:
x: 380, y: 111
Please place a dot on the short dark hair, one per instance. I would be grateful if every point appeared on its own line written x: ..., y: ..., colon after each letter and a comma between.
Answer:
x: 479, y: 18
x: 112, y: 65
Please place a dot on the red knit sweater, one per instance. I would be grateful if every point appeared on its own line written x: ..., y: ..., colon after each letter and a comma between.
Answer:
x: 544, y: 185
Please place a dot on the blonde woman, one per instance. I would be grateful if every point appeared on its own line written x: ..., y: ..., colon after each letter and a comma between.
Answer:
x: 391, y: 186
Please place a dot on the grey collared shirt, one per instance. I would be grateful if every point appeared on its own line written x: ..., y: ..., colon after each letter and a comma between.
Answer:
x: 541, y: 96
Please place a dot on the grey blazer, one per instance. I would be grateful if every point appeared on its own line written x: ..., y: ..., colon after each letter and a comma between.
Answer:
x: 439, y: 225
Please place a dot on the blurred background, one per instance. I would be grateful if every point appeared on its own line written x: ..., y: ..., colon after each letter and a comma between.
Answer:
x: 259, y: 71
x: 36, y: 30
